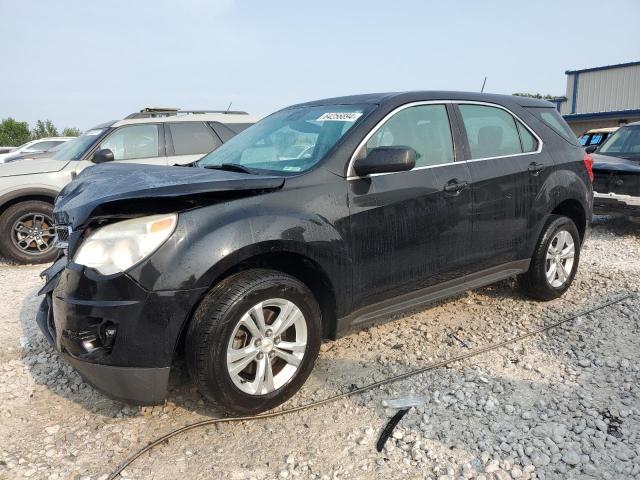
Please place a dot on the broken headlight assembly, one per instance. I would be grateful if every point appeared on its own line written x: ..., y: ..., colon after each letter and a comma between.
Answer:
x: 121, y: 245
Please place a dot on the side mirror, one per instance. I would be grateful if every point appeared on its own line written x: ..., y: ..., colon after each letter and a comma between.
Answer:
x: 102, y: 156
x: 386, y: 160
x: 591, y: 148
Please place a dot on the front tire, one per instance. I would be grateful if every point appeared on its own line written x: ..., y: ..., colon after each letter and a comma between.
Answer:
x: 27, y: 232
x: 555, y: 261
x: 253, y: 341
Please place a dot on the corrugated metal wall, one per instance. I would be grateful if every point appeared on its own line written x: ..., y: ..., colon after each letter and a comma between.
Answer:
x: 605, y: 90
x: 565, y: 107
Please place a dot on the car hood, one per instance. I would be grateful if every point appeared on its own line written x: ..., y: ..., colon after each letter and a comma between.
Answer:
x: 605, y: 162
x: 107, y: 190
x: 39, y: 165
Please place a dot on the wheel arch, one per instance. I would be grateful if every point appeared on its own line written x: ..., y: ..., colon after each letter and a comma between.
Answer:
x: 573, y: 209
x: 296, y: 264
x: 13, y: 198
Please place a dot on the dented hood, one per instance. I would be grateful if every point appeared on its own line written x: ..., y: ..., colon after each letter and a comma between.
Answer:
x: 114, y: 189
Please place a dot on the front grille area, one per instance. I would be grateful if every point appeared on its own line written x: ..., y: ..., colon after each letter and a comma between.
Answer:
x: 63, y: 232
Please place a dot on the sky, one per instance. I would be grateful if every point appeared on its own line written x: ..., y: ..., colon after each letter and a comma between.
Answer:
x: 82, y: 62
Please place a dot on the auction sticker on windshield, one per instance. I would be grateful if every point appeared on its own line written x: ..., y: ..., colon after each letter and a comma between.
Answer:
x: 339, y: 117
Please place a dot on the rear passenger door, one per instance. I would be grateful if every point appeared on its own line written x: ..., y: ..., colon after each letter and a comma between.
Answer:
x: 507, y: 172
x: 189, y: 141
x: 411, y: 229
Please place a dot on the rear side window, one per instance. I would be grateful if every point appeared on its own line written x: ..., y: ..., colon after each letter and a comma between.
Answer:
x: 491, y: 131
x: 424, y: 128
x: 238, y: 127
x: 527, y: 140
x: 191, y: 138
x: 552, y: 118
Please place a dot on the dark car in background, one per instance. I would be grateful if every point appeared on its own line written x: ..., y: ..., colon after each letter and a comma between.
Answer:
x: 616, y: 166
x: 245, y: 263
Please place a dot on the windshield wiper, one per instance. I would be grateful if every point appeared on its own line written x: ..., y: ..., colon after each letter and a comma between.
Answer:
x: 231, y: 167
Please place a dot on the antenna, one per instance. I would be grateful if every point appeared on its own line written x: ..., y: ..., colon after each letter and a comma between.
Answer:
x: 229, y: 107
x: 483, y: 84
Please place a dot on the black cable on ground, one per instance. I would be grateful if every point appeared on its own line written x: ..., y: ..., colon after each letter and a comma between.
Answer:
x: 359, y: 390
x: 388, y: 430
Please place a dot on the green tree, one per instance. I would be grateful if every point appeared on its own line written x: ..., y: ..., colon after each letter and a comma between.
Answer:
x: 536, y: 95
x: 44, y: 129
x: 13, y: 133
x: 71, y: 132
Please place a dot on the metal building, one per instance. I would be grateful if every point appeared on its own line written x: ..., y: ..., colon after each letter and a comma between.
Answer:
x: 601, y: 97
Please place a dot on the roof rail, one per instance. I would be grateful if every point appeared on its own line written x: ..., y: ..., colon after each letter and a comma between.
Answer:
x: 151, y: 112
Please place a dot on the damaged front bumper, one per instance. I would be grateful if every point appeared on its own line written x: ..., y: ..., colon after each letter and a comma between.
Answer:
x: 613, y: 203
x: 120, y: 337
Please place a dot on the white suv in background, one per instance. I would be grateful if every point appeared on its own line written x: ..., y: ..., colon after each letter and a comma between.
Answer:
x: 35, y: 146
x: 153, y: 136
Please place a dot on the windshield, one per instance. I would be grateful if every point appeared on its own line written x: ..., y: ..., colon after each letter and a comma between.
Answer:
x: 290, y: 141
x: 23, y: 145
x: 76, y: 148
x: 625, y: 141
x: 58, y: 147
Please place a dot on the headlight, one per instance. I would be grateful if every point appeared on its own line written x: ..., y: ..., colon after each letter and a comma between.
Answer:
x: 119, y: 246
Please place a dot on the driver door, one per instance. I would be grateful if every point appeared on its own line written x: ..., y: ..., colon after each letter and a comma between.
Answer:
x: 411, y: 229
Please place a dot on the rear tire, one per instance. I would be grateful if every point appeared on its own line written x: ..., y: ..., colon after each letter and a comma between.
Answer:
x: 27, y: 232
x: 554, y: 262
x: 242, y: 319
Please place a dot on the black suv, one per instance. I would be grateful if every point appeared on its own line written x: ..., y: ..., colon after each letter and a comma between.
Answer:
x: 244, y: 263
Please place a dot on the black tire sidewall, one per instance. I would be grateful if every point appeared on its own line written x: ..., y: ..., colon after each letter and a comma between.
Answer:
x: 218, y: 380
x: 9, y: 217
x: 559, y: 223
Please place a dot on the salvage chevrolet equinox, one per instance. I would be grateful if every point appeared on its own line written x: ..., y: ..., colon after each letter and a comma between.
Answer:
x: 321, y: 219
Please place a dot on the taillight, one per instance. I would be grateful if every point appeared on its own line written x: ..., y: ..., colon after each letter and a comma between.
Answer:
x: 588, y: 163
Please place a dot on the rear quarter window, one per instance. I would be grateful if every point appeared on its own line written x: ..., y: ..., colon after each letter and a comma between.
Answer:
x: 554, y: 120
x: 238, y: 127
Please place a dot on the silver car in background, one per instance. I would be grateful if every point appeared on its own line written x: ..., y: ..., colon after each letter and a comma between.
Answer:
x: 151, y: 136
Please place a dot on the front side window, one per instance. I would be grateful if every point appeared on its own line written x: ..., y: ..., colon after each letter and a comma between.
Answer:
x: 491, y: 131
x: 425, y: 128
x: 134, y: 141
x: 190, y: 138
x: 584, y: 140
x: 289, y: 141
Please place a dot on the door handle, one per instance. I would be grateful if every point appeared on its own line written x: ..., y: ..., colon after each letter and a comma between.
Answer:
x: 535, y: 168
x: 455, y: 187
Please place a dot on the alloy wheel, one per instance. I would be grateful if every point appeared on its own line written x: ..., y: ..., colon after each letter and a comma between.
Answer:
x: 33, y: 234
x: 560, y: 257
x: 267, y: 346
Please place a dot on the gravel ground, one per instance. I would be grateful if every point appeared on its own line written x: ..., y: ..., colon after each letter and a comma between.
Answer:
x: 561, y: 405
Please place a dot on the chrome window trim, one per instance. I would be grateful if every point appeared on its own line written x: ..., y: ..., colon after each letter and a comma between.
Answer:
x: 351, y: 175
